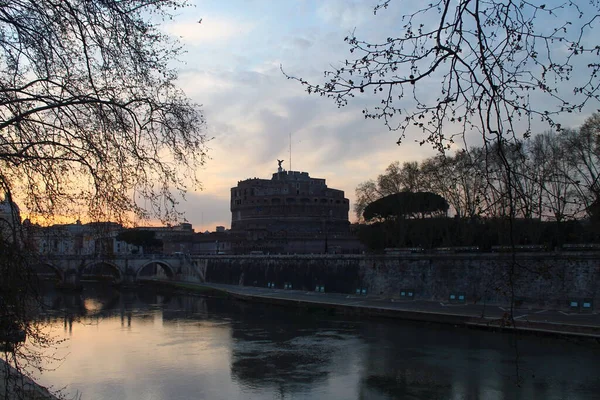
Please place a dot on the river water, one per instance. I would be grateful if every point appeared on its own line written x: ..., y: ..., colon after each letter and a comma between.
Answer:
x: 150, y: 344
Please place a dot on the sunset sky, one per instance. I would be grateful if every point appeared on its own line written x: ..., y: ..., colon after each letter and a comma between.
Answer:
x: 232, y: 68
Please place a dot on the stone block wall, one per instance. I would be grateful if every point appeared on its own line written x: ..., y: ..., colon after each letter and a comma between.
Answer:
x: 537, y: 279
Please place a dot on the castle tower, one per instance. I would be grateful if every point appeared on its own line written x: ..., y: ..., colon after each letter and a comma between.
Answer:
x: 289, y: 202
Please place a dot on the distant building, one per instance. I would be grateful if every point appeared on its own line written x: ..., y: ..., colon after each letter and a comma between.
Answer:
x: 9, y: 212
x: 208, y: 243
x: 10, y: 220
x: 96, y: 238
x: 290, y: 213
x: 290, y: 201
x: 68, y: 239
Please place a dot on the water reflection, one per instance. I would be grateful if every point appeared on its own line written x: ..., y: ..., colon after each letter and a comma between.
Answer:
x: 282, y: 349
x: 142, y: 344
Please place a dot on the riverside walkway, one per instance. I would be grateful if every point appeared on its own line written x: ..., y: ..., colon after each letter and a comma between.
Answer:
x: 540, y: 321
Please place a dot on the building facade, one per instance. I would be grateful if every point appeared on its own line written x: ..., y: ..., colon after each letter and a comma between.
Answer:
x: 96, y: 238
x: 290, y: 201
x: 291, y: 213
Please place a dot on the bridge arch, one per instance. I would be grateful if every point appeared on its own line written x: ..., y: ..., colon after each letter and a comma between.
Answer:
x: 101, y: 269
x: 151, y: 268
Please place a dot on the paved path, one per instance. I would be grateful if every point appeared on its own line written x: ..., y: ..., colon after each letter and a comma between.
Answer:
x: 528, y: 319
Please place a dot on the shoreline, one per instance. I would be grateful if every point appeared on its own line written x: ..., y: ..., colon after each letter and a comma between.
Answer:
x: 20, y: 385
x: 494, y: 320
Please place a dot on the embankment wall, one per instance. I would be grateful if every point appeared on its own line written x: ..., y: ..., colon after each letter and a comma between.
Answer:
x: 540, y: 279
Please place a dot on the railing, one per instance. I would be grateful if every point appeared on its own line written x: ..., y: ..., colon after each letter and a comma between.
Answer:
x: 187, y: 257
x: 155, y: 256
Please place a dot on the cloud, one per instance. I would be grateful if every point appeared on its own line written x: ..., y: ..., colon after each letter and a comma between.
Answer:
x: 252, y: 111
x: 233, y: 69
x: 213, y: 30
x: 346, y: 14
x: 206, y: 210
x: 201, y: 84
x: 301, y: 43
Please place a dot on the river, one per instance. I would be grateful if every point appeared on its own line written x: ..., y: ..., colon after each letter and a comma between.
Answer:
x: 152, y: 344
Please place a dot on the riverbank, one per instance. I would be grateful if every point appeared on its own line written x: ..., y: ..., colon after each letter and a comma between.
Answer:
x: 477, y: 316
x: 552, y: 280
x: 16, y: 386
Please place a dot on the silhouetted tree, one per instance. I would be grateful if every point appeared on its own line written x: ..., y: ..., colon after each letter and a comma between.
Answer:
x: 141, y: 237
x: 406, y: 205
x: 90, y: 115
x: 91, y: 122
x: 396, y: 178
x: 582, y: 152
x: 486, y: 67
x: 494, y: 63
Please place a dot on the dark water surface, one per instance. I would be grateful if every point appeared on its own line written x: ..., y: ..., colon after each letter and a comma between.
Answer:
x: 148, y: 344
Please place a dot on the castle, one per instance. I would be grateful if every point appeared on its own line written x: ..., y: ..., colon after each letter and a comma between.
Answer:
x: 291, y: 213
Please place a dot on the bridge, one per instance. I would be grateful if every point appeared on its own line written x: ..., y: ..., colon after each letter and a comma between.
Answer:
x: 70, y: 270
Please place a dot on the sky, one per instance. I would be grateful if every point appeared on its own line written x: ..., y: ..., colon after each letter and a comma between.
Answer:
x: 232, y: 67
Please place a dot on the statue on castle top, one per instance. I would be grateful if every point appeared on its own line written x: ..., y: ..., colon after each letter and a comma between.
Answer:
x: 279, y: 162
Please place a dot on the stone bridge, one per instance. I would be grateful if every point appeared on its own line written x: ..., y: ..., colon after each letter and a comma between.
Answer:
x: 70, y: 270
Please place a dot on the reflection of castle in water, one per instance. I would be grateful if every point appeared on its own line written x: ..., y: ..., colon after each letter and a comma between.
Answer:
x: 270, y: 352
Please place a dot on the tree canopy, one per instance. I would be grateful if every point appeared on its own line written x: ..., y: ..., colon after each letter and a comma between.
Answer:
x: 406, y: 205
x: 90, y: 118
x: 140, y: 237
x: 555, y: 176
x: 457, y: 66
x: 91, y: 125
x: 456, y: 69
